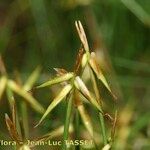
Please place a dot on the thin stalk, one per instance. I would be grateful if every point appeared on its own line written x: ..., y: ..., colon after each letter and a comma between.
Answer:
x: 67, y: 121
x: 77, y: 128
x: 24, y: 112
x: 95, y: 87
x: 101, y: 117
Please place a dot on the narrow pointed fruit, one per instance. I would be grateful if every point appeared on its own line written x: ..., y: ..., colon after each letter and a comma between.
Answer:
x: 86, y: 93
x: 3, y: 82
x: 77, y: 100
x: 32, y: 79
x: 27, y: 97
x: 56, y: 101
x: 82, y: 35
x: 12, y: 130
x: 56, y: 80
x: 95, y: 67
x: 84, y: 60
x: 86, y: 119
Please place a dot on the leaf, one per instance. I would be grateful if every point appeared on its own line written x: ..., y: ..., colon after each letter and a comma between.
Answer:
x: 95, y: 67
x: 86, y: 119
x: 56, y: 101
x: 86, y: 93
x: 31, y: 100
x: 3, y: 82
x: 32, y: 79
x: 56, y: 80
x: 12, y: 130
x: 138, y: 11
x: 82, y: 35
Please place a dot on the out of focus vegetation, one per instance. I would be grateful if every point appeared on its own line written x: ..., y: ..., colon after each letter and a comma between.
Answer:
x: 42, y: 33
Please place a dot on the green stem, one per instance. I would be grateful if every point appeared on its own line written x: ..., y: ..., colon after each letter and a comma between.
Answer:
x: 67, y: 121
x: 102, y: 124
x: 24, y: 111
x: 103, y: 128
x: 77, y: 131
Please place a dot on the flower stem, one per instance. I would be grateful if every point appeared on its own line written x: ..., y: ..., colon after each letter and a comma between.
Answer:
x: 24, y: 111
x: 103, y: 128
x: 67, y: 121
x: 101, y: 117
x: 77, y: 128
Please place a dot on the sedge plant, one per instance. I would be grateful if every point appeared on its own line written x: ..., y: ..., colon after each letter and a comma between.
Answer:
x: 74, y: 86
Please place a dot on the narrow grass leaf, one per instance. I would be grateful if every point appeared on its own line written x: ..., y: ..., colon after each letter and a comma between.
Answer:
x: 27, y: 86
x: 3, y: 82
x: 86, y: 119
x: 95, y: 67
x: 32, y: 79
x: 56, y: 101
x: 85, y: 92
x: 31, y: 100
x: 56, y: 80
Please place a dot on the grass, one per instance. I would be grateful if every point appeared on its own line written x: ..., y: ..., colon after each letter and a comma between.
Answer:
x: 34, y: 33
x: 74, y: 82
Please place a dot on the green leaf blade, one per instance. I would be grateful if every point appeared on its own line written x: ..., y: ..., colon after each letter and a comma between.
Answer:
x: 30, y: 99
x: 56, y: 80
x: 56, y: 101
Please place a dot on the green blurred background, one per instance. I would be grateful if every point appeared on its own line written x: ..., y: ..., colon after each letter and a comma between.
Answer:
x: 42, y: 32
